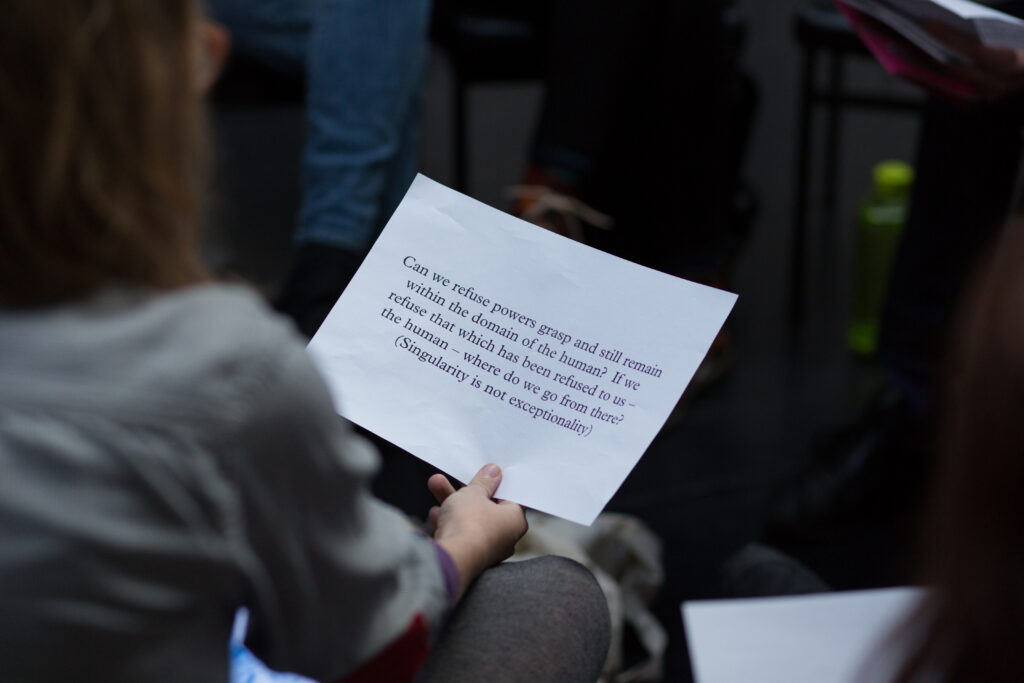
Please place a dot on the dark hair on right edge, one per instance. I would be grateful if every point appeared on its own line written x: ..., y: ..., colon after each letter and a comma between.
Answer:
x: 101, y: 146
x: 970, y: 628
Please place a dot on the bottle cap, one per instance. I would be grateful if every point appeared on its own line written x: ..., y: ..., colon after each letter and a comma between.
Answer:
x: 893, y: 177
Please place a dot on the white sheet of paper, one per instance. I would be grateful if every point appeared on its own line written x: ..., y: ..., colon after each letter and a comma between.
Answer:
x: 469, y: 336
x: 824, y: 638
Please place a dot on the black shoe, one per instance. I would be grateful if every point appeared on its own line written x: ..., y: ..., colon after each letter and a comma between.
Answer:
x: 317, y: 278
x: 757, y: 571
x: 869, y: 473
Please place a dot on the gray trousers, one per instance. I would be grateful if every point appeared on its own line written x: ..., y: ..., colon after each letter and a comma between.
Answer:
x: 538, y: 620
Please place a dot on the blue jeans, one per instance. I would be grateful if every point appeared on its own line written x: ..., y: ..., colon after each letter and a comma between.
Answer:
x: 364, y: 62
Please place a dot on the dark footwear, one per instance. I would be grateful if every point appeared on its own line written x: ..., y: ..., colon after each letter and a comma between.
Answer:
x: 711, y: 371
x: 869, y: 473
x: 720, y: 357
x: 757, y: 571
x: 317, y: 278
x: 716, y: 364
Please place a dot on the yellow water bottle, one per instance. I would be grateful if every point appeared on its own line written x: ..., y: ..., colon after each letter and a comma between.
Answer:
x: 879, y: 228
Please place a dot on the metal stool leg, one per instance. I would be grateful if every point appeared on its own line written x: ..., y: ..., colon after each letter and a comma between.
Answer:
x: 460, y: 102
x: 830, y: 192
x: 798, y: 246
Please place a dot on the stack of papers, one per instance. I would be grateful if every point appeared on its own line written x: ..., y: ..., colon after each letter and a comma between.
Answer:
x: 896, y: 33
x: 907, y: 17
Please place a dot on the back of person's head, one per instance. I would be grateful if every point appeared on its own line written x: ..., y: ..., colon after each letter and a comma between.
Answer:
x: 970, y: 628
x: 101, y: 146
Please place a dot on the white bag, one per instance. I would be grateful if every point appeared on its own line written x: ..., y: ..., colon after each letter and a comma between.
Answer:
x: 625, y: 557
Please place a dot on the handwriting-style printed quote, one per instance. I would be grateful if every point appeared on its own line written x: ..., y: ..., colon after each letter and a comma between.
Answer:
x: 529, y: 364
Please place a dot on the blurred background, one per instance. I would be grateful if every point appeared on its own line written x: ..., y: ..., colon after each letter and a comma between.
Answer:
x: 708, y: 479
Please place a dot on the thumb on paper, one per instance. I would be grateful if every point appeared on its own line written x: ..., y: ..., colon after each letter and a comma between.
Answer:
x: 488, y: 478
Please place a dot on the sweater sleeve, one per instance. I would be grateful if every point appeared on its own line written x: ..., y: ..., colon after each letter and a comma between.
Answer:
x: 336, y: 576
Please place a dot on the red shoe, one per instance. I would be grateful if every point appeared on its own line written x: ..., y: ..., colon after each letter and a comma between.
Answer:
x: 546, y: 201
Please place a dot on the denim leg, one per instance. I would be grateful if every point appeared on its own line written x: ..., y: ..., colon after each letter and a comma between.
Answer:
x: 364, y: 62
x: 365, y: 70
x: 404, y: 166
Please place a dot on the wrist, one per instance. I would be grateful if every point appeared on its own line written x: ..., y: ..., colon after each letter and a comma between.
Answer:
x: 466, y: 558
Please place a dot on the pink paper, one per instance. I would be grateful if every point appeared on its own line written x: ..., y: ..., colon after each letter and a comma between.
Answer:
x: 901, y: 58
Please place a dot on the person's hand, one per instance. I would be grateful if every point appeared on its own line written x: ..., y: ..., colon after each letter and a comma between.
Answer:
x: 995, y: 72
x: 212, y: 45
x: 475, y: 530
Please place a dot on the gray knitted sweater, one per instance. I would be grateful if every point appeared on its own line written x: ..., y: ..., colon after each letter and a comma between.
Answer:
x: 165, y: 458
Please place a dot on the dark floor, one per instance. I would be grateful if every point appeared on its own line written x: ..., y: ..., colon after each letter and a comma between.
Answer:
x: 705, y: 483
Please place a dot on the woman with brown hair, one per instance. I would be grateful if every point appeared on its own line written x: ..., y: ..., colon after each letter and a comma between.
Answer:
x: 168, y: 451
x: 969, y: 629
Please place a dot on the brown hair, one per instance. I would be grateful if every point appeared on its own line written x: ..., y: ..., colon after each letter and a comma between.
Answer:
x: 101, y: 146
x: 970, y: 627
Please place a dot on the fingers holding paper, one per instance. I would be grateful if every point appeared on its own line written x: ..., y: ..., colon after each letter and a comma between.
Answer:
x: 440, y: 487
x: 476, y: 530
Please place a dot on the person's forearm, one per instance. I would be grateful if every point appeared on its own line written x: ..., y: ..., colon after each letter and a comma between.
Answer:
x: 467, y: 560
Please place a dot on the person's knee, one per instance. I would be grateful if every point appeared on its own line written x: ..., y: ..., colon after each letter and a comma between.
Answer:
x: 573, y: 578
x: 577, y: 596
